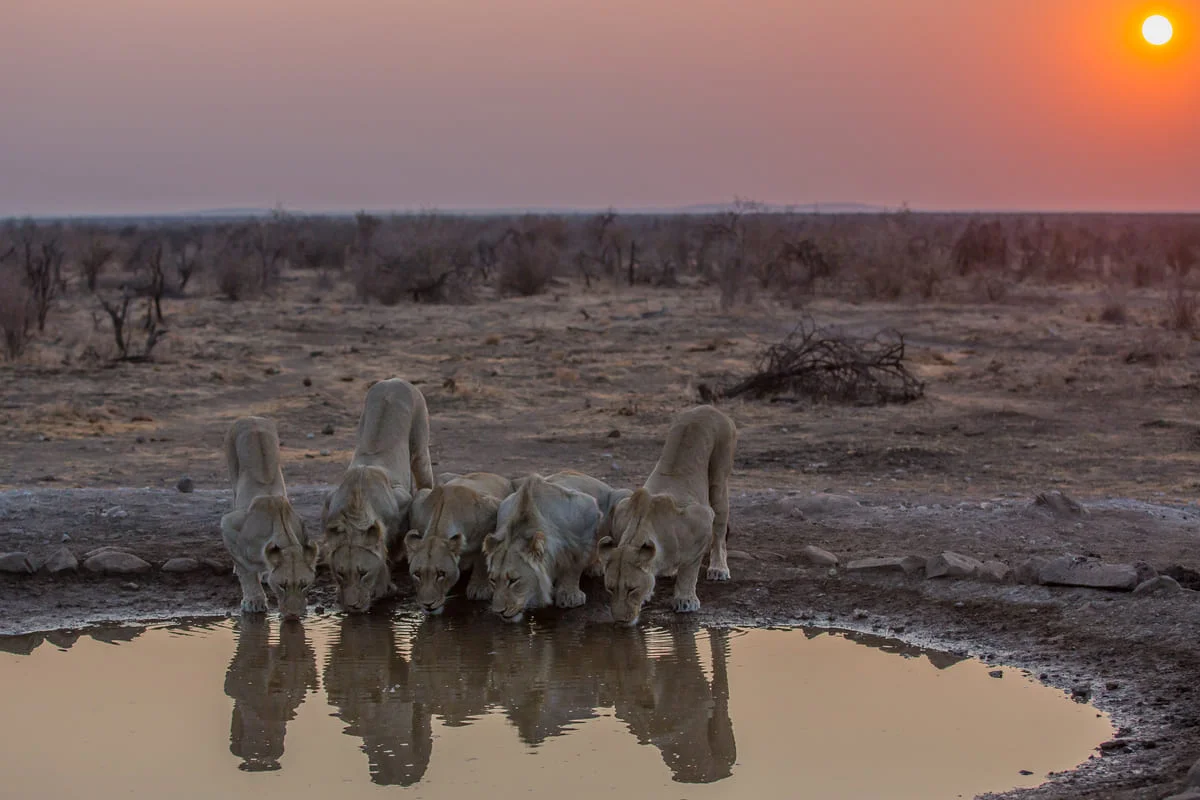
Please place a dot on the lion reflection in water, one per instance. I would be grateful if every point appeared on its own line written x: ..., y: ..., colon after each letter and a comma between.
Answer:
x: 387, y: 686
x: 267, y: 682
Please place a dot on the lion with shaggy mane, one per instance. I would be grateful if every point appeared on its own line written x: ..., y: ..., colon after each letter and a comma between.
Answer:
x: 545, y: 537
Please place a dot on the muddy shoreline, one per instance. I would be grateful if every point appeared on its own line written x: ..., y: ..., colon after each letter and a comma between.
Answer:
x: 1137, y: 655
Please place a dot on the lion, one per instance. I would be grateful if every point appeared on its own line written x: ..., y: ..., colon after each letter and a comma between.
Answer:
x: 667, y: 526
x: 263, y: 533
x: 449, y: 523
x: 606, y: 498
x: 545, y: 537
x: 364, y: 515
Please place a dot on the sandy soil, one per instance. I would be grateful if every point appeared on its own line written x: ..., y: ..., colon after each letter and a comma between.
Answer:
x: 1023, y: 398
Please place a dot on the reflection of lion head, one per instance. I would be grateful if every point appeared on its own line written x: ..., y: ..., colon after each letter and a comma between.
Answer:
x: 290, y: 558
x: 631, y: 555
x: 360, y: 519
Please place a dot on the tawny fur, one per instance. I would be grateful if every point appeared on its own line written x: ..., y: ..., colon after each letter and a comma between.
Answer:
x: 679, y: 515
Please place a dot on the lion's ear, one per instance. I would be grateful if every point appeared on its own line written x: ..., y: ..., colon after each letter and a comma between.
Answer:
x: 455, y: 543
x: 491, y: 542
x: 411, y: 540
x: 311, y: 554
x: 646, y: 553
x: 377, y: 531
x: 273, y: 553
x: 537, y: 545
x: 606, y: 547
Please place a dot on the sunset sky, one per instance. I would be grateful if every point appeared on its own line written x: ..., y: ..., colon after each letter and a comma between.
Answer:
x: 132, y: 106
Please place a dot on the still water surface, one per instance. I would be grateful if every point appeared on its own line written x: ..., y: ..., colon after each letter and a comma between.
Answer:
x: 444, y: 708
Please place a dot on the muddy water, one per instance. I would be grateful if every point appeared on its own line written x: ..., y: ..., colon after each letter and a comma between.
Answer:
x: 446, y: 707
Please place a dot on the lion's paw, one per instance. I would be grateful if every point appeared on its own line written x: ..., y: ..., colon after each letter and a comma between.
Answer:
x: 686, y: 605
x: 718, y: 574
x: 569, y: 598
x: 479, y: 591
x: 254, y: 605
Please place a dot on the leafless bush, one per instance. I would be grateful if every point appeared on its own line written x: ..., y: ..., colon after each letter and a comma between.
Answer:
x: 980, y: 245
x: 823, y: 366
x: 118, y: 310
x: 16, y: 313
x: 1115, y: 311
x: 527, y: 262
x: 95, y: 258
x: 41, y: 256
x: 1183, y: 308
x: 234, y: 278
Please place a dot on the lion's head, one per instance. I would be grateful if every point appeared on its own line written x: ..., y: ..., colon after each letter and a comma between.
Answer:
x: 629, y: 554
x: 519, y: 572
x: 433, y: 565
x: 357, y: 518
x: 290, y: 558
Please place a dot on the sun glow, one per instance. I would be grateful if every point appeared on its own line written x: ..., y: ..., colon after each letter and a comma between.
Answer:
x: 1157, y: 30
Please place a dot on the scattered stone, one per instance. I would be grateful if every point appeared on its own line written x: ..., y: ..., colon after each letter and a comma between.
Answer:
x: 271, y: 370
x: 130, y: 586
x: 1026, y: 772
x: 1162, y: 585
x: 740, y: 555
x: 907, y: 565
x: 1029, y: 571
x: 181, y: 565
x: 186, y: 485
x: 101, y: 550
x: 347, y: 378
x: 996, y: 673
x: 861, y: 613
x: 1112, y: 686
x: 614, y: 434
x: 1088, y: 573
x: 308, y: 381
x: 1059, y: 503
x: 324, y: 452
x: 822, y: 558
x: 115, y: 512
x: 66, y: 537
x: 818, y: 504
x: 215, y: 565
x: 328, y: 429
x: 115, y: 563
x: 63, y: 560
x: 319, y: 610
x: 994, y: 571
x: 140, y: 439
x: 16, y: 563
x: 1081, y: 692
x: 951, y: 565
x: 310, y: 436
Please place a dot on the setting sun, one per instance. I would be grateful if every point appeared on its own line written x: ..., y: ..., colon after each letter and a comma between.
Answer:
x: 1157, y: 29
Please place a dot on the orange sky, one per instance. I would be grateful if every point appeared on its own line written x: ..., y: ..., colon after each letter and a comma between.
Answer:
x: 143, y: 105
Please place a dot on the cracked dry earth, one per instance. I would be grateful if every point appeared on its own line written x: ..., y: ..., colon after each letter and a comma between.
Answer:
x: 1020, y: 401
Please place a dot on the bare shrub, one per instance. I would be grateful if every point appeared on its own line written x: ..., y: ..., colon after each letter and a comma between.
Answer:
x: 95, y: 258
x: 41, y: 256
x: 118, y: 310
x: 527, y: 263
x: 16, y: 313
x: 1183, y: 309
x: 1114, y: 311
x: 234, y: 278
x: 823, y: 366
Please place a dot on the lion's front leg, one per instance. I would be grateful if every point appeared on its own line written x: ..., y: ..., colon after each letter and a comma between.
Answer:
x: 567, y: 593
x: 478, y: 587
x: 254, y: 599
x: 686, y: 600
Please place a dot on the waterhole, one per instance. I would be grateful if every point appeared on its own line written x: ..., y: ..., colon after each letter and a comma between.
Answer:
x: 450, y: 708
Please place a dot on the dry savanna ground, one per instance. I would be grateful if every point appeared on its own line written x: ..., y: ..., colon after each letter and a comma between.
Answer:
x: 1025, y: 396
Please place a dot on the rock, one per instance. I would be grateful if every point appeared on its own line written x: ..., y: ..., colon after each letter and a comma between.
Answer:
x: 1081, y: 691
x: 310, y: 436
x: 1190, y: 794
x: 994, y: 572
x: 181, y: 565
x: 907, y: 565
x: 951, y: 565
x: 216, y: 566
x: 328, y: 429
x: 1144, y: 571
x: 614, y: 434
x: 114, y: 512
x: 1158, y: 586
x: 63, y: 560
x: 1059, y: 503
x: 16, y: 563
x: 105, y: 549
x: 66, y: 537
x: 740, y: 555
x: 186, y: 485
x: 996, y: 673
x: 817, y: 504
x: 115, y: 563
x: 1029, y: 571
x: 1089, y: 573
x: 815, y: 555
x: 324, y: 452
x: 861, y: 613
x: 307, y: 381
x: 1112, y: 686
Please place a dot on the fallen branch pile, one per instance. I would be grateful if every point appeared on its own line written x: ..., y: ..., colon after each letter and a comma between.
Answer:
x: 819, y: 365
